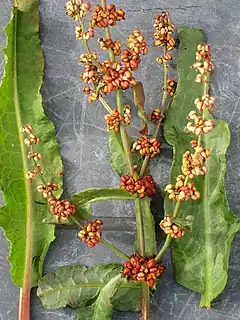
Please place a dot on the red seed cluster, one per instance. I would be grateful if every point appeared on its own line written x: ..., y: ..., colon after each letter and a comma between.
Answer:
x: 91, y: 234
x: 142, y: 187
x: 90, y: 74
x: 102, y: 18
x: 62, y: 209
x: 116, y: 77
x: 131, y: 59
x: 147, y: 146
x: 139, y: 268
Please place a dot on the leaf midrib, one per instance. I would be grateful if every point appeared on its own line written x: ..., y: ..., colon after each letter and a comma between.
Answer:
x: 85, y: 285
x: 27, y: 269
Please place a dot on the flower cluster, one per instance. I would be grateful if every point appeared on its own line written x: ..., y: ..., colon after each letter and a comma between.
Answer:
x: 139, y: 268
x: 147, y: 146
x: 164, y: 32
x: 82, y: 35
x: 114, y: 119
x: 91, y: 234
x: 102, y: 18
x: 171, y: 228
x: 203, y: 64
x: 180, y: 191
x: 62, y: 209
x: 142, y: 186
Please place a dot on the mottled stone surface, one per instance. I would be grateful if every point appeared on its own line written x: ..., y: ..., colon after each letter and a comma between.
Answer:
x: 83, y: 142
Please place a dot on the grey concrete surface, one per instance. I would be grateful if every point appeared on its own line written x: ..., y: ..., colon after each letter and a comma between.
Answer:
x: 83, y: 142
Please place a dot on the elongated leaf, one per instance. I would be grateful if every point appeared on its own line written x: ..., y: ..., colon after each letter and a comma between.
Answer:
x: 20, y: 103
x: 79, y: 287
x: 201, y: 258
x: 139, y: 102
x: 145, y: 218
x: 117, y: 157
x: 84, y: 199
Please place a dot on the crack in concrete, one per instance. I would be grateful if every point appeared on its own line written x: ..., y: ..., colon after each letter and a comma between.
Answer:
x: 165, y: 9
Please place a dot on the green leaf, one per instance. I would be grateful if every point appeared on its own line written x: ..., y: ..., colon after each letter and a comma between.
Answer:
x: 145, y: 222
x: 201, y: 258
x: 84, y: 199
x: 117, y: 156
x: 139, y: 102
x: 21, y: 103
x: 79, y: 287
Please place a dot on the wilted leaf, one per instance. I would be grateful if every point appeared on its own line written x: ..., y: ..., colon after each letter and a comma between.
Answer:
x: 79, y: 287
x: 139, y: 102
x: 200, y: 258
x: 21, y: 103
x: 84, y: 200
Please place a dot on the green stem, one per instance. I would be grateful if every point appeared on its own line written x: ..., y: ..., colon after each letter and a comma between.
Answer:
x: 163, y: 109
x: 140, y: 227
x: 114, y: 249
x: 124, y: 135
x: 106, y: 106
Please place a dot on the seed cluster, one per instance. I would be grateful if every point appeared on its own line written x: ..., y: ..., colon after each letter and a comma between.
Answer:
x: 164, y: 32
x: 102, y: 18
x: 171, y: 228
x: 106, y: 44
x: 127, y: 115
x: 131, y: 60
x: 193, y: 163
x: 77, y: 9
x: 199, y: 125
x: 203, y: 64
x: 180, y: 191
x: 206, y: 102
x: 116, y: 76
x: 139, y: 268
x: 62, y: 209
x: 171, y: 87
x: 91, y: 234
x: 142, y: 186
x: 155, y: 115
x: 82, y: 35
x: 147, y: 146
x: 46, y: 191
x: 113, y: 120
x: 137, y: 43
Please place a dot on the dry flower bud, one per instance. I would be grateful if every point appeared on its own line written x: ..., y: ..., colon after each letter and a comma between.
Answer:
x: 171, y: 87
x: 127, y: 115
x: 142, y: 187
x: 102, y: 18
x: 137, y: 43
x: 113, y: 120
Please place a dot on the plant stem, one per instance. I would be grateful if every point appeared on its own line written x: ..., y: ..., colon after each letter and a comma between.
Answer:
x: 163, y: 109
x: 114, y: 249
x: 105, y: 104
x: 140, y: 227
x: 124, y: 135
